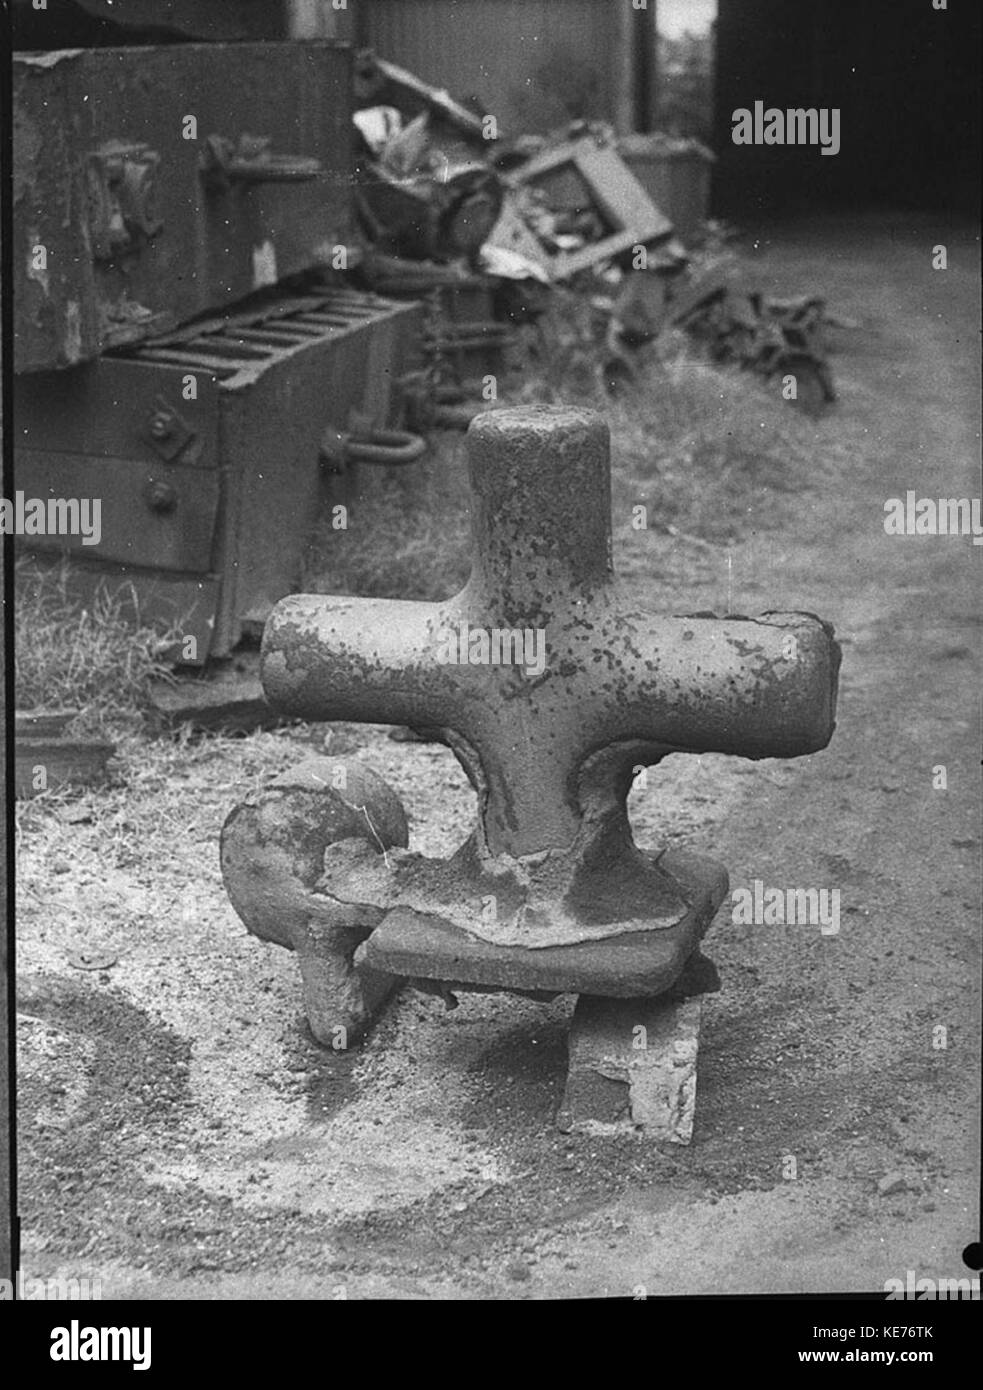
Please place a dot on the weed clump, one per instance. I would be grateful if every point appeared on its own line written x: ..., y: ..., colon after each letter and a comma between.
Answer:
x: 95, y: 656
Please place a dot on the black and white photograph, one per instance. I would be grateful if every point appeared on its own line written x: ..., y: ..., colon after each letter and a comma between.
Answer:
x: 492, y: 554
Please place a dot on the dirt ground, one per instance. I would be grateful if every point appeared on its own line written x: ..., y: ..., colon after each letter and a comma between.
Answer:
x: 182, y: 1137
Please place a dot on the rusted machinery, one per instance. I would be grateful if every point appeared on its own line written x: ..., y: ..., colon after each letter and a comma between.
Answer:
x: 188, y: 348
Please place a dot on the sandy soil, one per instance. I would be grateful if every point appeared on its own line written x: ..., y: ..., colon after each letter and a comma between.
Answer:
x: 182, y: 1137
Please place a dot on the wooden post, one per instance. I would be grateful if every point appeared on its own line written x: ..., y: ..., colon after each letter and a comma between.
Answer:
x: 634, y: 64
x: 322, y: 19
x: 305, y: 19
x: 623, y: 68
x: 647, y: 40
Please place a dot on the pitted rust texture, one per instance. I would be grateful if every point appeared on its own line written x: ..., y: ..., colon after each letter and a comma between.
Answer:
x: 272, y: 852
x: 550, y: 753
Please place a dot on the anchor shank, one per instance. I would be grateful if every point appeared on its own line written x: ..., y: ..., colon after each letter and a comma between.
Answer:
x: 541, y: 520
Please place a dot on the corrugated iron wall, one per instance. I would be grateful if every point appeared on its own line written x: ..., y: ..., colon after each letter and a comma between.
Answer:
x: 525, y: 61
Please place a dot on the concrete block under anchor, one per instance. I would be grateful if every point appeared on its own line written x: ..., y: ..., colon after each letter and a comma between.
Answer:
x: 632, y: 1068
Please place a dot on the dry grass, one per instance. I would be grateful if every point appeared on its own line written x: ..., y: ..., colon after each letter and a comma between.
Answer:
x: 408, y: 536
x: 708, y: 451
x: 91, y: 658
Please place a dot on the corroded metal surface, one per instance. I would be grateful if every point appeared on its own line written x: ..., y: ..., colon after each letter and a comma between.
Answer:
x: 638, y: 963
x: 120, y: 233
x: 551, y: 683
x: 549, y: 746
x: 272, y: 849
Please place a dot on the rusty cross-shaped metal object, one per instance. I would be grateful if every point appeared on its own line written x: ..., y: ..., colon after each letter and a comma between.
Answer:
x: 551, y: 681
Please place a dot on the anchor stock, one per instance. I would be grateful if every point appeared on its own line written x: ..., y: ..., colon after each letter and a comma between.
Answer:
x: 577, y: 906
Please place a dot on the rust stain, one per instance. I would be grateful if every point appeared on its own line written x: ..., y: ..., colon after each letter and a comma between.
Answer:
x: 27, y: 144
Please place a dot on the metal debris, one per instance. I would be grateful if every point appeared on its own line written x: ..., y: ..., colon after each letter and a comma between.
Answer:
x: 772, y: 337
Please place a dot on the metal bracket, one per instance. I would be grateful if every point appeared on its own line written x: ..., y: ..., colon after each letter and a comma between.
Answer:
x: 122, y: 190
x: 250, y: 160
x: 384, y: 447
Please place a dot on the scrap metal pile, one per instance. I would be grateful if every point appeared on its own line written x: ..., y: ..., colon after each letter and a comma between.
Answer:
x: 488, y: 232
x: 773, y: 337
